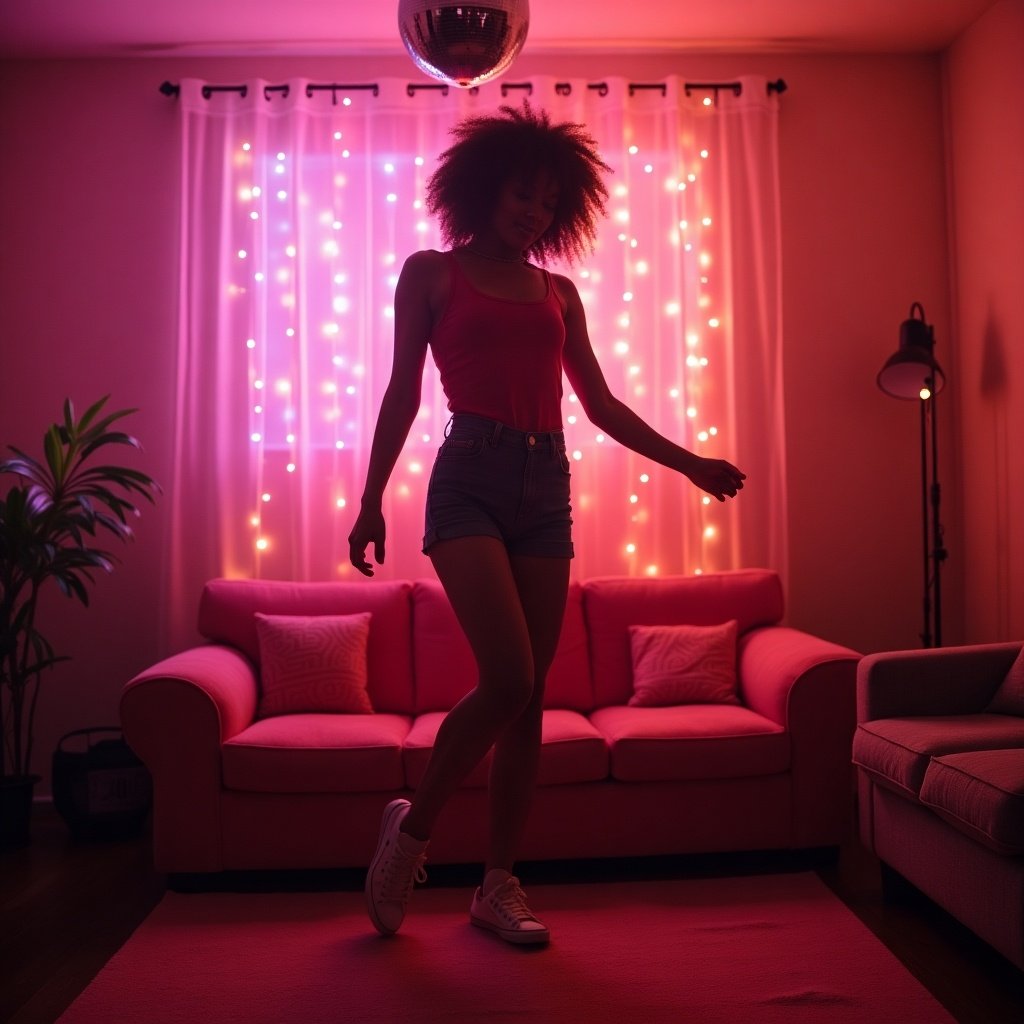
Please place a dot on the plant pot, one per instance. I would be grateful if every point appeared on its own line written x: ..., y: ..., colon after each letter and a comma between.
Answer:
x: 16, y: 808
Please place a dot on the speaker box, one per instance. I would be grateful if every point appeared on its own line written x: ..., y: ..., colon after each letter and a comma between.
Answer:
x: 101, y: 789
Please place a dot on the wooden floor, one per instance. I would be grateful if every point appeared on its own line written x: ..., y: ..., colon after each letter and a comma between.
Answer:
x: 66, y: 906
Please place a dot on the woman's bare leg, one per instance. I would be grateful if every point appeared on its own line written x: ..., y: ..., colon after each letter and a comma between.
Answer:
x: 542, y: 585
x: 477, y: 576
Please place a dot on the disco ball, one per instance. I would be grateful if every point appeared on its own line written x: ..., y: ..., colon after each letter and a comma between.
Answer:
x: 463, y: 44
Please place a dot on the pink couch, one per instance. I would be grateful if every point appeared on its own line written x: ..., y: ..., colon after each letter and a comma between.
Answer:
x: 941, y: 783
x: 232, y: 791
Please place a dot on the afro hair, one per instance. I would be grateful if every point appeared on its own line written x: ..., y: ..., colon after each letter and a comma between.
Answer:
x: 515, y: 144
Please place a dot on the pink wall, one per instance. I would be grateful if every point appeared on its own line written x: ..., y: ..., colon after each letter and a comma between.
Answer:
x: 985, y: 98
x: 87, y: 214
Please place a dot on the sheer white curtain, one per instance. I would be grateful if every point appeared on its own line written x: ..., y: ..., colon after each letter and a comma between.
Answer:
x: 299, y: 205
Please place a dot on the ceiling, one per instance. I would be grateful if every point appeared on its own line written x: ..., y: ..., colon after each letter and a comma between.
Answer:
x: 138, y: 28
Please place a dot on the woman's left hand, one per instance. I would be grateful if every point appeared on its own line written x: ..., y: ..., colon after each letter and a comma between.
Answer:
x: 716, y: 476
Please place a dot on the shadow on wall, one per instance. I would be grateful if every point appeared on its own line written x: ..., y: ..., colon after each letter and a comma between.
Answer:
x: 993, y: 359
x: 993, y: 387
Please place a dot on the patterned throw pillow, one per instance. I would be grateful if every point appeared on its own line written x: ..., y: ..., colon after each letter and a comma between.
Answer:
x: 684, y: 664
x: 1009, y: 698
x: 312, y: 663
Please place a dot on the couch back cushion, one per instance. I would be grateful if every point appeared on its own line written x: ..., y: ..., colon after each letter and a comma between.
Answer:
x: 611, y: 604
x: 227, y: 615
x: 445, y: 669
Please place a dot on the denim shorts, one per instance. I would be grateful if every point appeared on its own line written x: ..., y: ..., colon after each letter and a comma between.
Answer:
x: 490, y: 480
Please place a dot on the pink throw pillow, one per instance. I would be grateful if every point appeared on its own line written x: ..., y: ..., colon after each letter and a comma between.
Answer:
x: 1009, y: 698
x: 311, y: 663
x: 684, y: 664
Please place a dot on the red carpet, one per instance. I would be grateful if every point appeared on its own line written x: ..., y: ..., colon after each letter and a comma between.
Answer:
x: 765, y: 949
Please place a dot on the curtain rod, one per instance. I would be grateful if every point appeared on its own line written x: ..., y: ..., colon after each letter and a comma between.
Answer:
x: 561, y: 88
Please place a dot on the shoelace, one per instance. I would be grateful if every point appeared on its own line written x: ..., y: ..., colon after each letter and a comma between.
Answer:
x: 510, y: 901
x: 403, y: 870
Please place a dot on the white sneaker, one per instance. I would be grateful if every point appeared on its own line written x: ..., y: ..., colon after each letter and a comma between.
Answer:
x: 504, y: 911
x: 396, y: 866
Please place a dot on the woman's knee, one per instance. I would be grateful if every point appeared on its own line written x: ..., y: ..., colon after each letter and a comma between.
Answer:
x: 509, y: 687
x: 529, y: 710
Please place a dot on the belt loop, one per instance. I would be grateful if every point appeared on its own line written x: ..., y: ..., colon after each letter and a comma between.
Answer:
x: 448, y: 426
x: 496, y: 434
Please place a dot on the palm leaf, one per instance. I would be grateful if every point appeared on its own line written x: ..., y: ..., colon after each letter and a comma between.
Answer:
x: 27, y: 467
x: 108, y: 438
x: 53, y: 446
x: 103, y: 427
x: 116, y: 526
x: 69, y: 415
x: 90, y: 413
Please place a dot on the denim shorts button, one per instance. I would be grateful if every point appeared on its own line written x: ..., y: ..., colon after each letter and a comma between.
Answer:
x: 531, y: 440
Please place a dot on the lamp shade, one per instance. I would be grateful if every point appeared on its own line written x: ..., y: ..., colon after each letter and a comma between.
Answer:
x: 913, y: 367
x: 463, y: 44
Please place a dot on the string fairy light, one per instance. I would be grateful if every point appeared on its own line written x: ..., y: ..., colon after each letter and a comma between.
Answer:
x: 319, y: 234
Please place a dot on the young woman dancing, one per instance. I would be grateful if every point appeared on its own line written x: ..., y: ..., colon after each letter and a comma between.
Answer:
x: 513, y: 191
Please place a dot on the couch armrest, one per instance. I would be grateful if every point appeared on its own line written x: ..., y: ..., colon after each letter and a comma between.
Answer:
x: 775, y: 660
x: 935, y: 681
x: 176, y: 716
x: 807, y: 685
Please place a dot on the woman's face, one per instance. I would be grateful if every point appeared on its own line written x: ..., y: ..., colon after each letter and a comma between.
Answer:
x: 525, y: 210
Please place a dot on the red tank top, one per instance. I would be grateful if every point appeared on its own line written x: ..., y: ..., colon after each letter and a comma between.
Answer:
x: 500, y: 358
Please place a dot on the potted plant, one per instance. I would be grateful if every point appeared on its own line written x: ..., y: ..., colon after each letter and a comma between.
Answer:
x: 49, y: 521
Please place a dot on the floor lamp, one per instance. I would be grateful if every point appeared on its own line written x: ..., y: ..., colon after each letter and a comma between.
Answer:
x: 913, y: 374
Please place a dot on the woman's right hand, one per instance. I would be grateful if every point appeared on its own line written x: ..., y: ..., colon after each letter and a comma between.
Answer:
x: 369, y: 529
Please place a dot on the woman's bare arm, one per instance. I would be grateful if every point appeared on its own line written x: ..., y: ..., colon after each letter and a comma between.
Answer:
x: 615, y: 418
x: 400, y: 404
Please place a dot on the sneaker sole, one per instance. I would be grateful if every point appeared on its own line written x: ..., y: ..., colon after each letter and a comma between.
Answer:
x: 390, y: 811
x: 516, y: 936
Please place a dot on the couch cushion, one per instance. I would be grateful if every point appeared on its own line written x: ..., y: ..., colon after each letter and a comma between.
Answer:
x: 614, y: 603
x: 697, y: 741
x: 572, y: 750
x: 311, y: 663
x: 982, y: 794
x: 227, y: 615
x: 445, y: 669
x: 896, y: 751
x: 683, y: 665
x: 318, y: 754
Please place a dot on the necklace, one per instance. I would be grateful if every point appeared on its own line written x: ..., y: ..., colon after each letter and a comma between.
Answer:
x: 497, y: 259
